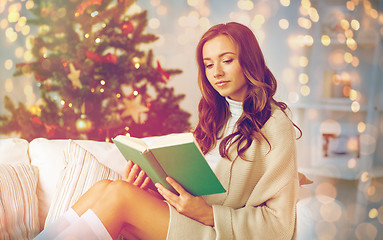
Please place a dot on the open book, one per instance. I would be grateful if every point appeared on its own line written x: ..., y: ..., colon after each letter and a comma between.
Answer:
x: 175, y: 155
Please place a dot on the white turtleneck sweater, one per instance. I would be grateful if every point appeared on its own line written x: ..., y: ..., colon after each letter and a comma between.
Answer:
x: 236, y: 110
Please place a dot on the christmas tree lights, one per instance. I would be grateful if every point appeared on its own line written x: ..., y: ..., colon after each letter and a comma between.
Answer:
x: 94, y: 79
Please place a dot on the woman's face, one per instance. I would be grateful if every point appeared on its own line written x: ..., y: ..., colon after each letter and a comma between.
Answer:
x: 220, y: 56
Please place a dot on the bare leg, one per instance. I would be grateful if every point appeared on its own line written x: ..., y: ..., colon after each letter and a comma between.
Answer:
x: 120, y: 204
x: 89, y: 198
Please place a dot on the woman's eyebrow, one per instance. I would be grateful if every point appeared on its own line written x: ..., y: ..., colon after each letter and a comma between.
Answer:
x: 221, y: 55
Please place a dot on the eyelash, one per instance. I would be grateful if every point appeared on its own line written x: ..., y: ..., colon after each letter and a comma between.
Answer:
x: 225, y: 61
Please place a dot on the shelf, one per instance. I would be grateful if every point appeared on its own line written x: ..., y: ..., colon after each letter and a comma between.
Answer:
x: 340, y: 173
x: 331, y: 105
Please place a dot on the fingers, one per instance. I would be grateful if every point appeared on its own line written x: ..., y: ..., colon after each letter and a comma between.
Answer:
x: 135, y: 176
x: 178, y: 187
x: 133, y: 172
x: 128, y: 169
x: 169, y: 196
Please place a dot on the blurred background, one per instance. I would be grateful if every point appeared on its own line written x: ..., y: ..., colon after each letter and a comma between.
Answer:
x: 94, y: 69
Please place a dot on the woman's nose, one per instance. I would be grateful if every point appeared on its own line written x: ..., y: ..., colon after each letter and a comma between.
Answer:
x: 218, y: 71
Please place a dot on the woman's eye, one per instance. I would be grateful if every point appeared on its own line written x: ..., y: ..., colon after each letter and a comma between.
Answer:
x: 208, y: 65
x: 228, y: 61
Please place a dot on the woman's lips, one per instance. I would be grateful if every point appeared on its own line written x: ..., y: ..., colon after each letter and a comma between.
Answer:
x: 221, y: 83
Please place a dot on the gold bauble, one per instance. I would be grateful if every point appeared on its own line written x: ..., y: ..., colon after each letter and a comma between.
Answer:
x: 84, y: 125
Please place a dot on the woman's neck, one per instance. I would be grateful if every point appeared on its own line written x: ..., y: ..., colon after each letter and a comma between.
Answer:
x: 235, y: 108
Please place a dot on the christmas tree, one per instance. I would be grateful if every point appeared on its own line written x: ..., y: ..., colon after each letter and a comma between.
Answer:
x: 94, y: 79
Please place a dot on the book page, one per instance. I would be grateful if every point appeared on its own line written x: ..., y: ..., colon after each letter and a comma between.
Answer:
x: 133, y: 142
x: 169, y: 140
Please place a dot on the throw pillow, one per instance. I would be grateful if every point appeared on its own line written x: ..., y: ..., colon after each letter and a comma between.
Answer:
x: 82, y: 171
x: 14, y: 150
x: 18, y: 201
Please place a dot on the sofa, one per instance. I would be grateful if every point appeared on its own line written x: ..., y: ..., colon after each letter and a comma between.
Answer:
x: 41, y: 179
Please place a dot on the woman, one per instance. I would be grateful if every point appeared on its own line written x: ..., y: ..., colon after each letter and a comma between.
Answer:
x: 249, y: 142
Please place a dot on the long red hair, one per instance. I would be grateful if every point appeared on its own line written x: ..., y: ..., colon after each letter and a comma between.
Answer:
x: 213, y: 108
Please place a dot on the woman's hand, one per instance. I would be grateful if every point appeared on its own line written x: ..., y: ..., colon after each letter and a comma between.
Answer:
x: 190, y: 206
x: 135, y: 176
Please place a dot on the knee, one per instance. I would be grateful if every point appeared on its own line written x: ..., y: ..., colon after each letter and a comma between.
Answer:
x: 118, y: 188
x: 118, y: 192
x: 102, y: 184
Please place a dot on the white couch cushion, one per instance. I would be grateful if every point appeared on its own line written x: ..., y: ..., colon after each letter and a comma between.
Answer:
x: 48, y: 156
x: 82, y: 171
x: 14, y: 150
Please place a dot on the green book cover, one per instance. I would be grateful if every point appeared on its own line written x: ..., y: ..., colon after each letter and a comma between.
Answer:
x: 177, y: 156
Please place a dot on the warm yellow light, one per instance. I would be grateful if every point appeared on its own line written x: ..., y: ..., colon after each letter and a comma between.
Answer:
x: 13, y: 16
x: 4, y: 23
x: 364, y: 177
x: 25, y: 30
x: 325, y: 39
x: 193, y: 3
x: 308, y: 40
x: 305, y: 90
x: 306, y: 3
x: 102, y: 82
x: 86, y: 35
x: 118, y: 95
x: 258, y: 21
x: 351, y: 163
x: 304, y: 23
x: 355, y: 106
x: 303, y: 61
x: 135, y: 92
x: 355, y: 24
x: 350, y: 5
x: 373, y: 13
x: 284, y: 24
x: 137, y: 65
x: 351, y: 44
x: 373, y: 213
x: 8, y: 85
x: 154, y: 23
x: 11, y: 35
x: 345, y: 24
x: 8, y: 64
x: 353, y: 94
x: 313, y: 13
x: 348, y: 57
x: 303, y: 78
x: 285, y: 3
x: 28, y: 55
x: 355, y: 61
x: 22, y: 21
x: 29, y: 4
x: 98, y: 40
x: 349, y: 33
x: 245, y: 5
x: 361, y: 127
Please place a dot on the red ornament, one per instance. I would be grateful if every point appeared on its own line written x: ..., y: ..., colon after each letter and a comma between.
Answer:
x: 37, y: 121
x: 65, y: 64
x: 127, y: 27
x: 93, y: 56
x: 163, y: 73
x: 39, y: 77
x: 108, y: 58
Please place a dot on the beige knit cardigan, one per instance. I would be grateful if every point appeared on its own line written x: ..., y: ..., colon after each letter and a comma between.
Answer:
x: 261, y: 194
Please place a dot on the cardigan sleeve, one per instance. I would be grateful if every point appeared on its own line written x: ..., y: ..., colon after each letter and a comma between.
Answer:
x: 259, y: 205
